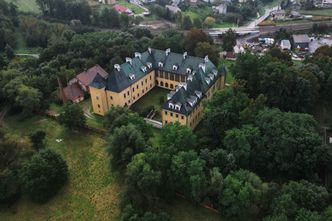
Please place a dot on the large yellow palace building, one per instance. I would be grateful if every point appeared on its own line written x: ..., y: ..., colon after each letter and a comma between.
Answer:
x: 189, y: 79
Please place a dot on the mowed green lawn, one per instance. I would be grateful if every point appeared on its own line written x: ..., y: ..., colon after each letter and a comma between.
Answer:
x: 318, y: 12
x: 156, y: 97
x: 26, y: 5
x: 92, y: 190
x: 229, y: 75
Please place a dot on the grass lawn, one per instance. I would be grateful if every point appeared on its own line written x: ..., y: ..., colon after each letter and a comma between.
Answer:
x: 229, y: 75
x: 318, y: 12
x: 92, y: 190
x: 224, y: 25
x: 152, y: 98
x: 26, y: 6
x: 134, y: 8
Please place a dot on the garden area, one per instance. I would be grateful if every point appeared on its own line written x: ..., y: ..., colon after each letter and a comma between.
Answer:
x: 153, y: 100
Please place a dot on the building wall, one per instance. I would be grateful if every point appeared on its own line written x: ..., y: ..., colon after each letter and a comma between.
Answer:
x: 193, y: 119
x: 169, y: 80
x: 103, y: 100
x: 173, y: 117
x: 99, y: 101
x: 126, y: 97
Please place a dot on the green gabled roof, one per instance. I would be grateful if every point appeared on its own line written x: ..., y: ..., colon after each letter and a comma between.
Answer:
x: 121, y: 79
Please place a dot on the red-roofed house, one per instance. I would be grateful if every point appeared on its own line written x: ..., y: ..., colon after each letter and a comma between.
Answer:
x: 74, y: 93
x: 122, y: 9
x: 86, y: 77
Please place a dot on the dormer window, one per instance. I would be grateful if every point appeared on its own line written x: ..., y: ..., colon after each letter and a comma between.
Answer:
x: 184, y: 85
x: 178, y: 106
x: 190, y: 78
x: 129, y: 60
x: 132, y: 76
x: 143, y: 68
x: 188, y: 71
x: 149, y: 64
x: 138, y: 55
x: 117, y: 67
x: 192, y: 101
x: 150, y: 50
x: 208, y: 80
x: 171, y: 105
x: 199, y: 94
x: 215, y: 72
x: 211, y: 76
x: 160, y: 64
x: 202, y: 66
x: 175, y: 67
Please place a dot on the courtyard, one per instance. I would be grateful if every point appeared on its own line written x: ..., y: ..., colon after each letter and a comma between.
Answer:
x: 151, y: 103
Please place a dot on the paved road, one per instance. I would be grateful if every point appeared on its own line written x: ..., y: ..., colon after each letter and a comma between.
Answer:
x: 28, y: 55
x: 254, y: 23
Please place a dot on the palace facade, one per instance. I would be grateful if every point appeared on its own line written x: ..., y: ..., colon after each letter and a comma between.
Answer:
x: 189, y: 79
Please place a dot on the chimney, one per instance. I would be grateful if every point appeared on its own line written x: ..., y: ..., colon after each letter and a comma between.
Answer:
x: 117, y: 67
x: 168, y: 50
x: 129, y: 60
x: 185, y: 55
x: 138, y: 55
x: 206, y: 59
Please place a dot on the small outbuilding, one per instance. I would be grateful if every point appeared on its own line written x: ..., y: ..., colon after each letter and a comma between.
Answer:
x: 285, y: 45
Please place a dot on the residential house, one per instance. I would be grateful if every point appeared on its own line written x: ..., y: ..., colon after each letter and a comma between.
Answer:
x: 301, y: 42
x: 107, y: 2
x: 85, y: 78
x: 122, y: 9
x: 74, y: 93
x: 220, y: 9
x: 173, y: 8
x: 326, y: 3
x: 189, y: 79
x: 278, y: 15
x: 285, y: 45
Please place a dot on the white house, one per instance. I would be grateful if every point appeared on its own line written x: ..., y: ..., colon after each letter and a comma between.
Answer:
x: 285, y: 45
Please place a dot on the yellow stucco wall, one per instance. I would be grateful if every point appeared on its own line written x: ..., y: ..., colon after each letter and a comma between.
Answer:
x: 103, y: 100
x: 124, y: 98
x: 99, y: 102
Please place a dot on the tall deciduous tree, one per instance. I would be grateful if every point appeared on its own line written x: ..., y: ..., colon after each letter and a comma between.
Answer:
x: 43, y: 175
x: 229, y: 40
x: 125, y: 142
x: 72, y: 116
x: 242, y: 194
x: 206, y: 49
